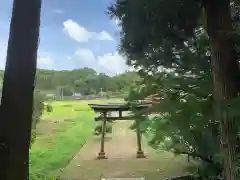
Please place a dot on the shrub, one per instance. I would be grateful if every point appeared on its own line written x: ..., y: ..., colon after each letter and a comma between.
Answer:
x: 98, y: 128
x: 33, y: 137
x: 38, y: 108
x: 49, y: 108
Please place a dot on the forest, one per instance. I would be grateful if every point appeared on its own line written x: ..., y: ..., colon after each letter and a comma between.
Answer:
x: 85, y: 81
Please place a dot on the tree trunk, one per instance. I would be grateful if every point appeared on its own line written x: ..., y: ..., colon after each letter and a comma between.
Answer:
x: 226, y: 76
x: 18, y: 87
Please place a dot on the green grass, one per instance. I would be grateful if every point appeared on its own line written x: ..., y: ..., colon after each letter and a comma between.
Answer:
x: 59, y: 139
x: 67, y: 109
x: 53, y: 151
x: 72, y: 108
x: 60, y: 135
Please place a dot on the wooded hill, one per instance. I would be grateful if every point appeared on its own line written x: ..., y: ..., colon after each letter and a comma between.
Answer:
x: 85, y: 81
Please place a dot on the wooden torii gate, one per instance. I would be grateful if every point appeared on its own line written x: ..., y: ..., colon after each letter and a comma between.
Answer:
x: 104, y: 110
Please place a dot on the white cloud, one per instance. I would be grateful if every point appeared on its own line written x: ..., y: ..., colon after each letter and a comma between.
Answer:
x: 81, y: 34
x: 104, y: 36
x: 110, y: 63
x: 44, y: 62
x: 86, y: 56
x: 113, y: 62
x: 116, y: 23
x: 76, y: 32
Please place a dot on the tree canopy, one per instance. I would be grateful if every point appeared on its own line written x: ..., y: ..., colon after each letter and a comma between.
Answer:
x: 85, y: 81
x: 185, y: 51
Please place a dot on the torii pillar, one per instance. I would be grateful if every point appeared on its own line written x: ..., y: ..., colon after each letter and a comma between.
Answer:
x: 140, y: 152
x: 102, y: 154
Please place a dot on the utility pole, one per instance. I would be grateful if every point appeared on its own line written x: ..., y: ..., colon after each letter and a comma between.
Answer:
x: 62, y: 93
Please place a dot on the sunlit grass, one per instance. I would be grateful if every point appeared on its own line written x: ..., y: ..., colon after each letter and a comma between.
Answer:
x: 73, y: 108
x: 60, y: 135
x: 53, y: 150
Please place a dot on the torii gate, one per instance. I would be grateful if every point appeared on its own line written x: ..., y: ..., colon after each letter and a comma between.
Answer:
x: 104, y: 109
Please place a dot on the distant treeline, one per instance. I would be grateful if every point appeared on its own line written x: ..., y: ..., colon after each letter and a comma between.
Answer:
x: 85, y: 81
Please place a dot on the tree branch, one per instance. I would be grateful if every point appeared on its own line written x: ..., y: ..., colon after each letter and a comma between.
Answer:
x: 218, y: 166
x: 206, y: 159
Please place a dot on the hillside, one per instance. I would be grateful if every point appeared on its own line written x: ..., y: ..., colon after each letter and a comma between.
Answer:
x: 85, y: 81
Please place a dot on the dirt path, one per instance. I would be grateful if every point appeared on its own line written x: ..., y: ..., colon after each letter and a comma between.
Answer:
x: 121, y: 149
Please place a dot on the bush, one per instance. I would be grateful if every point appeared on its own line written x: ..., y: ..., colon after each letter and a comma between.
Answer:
x: 33, y: 137
x: 38, y: 108
x: 49, y: 108
x: 98, y: 128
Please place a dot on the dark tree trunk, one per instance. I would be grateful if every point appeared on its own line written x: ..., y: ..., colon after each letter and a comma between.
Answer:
x: 18, y: 87
x: 226, y: 76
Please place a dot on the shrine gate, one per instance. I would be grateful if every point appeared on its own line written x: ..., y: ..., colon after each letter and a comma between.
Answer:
x: 104, y: 110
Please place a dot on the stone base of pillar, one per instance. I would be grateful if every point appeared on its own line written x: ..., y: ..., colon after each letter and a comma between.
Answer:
x: 140, y: 154
x: 101, y: 155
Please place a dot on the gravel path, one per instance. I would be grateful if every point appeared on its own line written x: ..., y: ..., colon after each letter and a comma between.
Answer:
x: 121, y: 147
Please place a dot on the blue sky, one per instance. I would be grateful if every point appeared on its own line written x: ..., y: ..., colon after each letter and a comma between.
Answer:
x: 74, y: 34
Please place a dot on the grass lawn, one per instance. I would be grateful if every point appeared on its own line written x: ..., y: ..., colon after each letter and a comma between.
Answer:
x: 73, y: 108
x: 60, y: 135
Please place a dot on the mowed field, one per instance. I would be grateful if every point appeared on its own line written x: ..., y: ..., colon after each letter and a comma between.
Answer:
x: 60, y: 135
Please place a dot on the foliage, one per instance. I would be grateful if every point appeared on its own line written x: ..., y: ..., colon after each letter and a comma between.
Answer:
x: 38, y: 110
x: 49, y: 108
x: 85, y: 81
x: 167, y: 41
x: 184, y: 122
x: 98, y: 128
x: 151, y: 31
